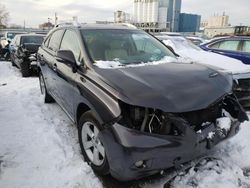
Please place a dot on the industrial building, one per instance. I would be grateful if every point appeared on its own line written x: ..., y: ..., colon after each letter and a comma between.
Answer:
x: 157, y: 15
x: 189, y: 22
x: 121, y: 17
x: 216, y: 21
x: 230, y: 30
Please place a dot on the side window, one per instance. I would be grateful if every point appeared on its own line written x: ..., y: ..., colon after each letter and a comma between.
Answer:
x: 55, y: 40
x: 46, y: 42
x: 215, y: 46
x: 70, y: 42
x: 246, y: 46
x: 231, y: 45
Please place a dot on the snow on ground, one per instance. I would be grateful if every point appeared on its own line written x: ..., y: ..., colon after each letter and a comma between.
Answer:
x: 38, y: 143
x: 39, y: 147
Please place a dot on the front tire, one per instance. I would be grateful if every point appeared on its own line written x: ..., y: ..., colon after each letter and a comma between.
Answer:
x: 91, y: 144
x: 47, y: 97
x: 25, y: 69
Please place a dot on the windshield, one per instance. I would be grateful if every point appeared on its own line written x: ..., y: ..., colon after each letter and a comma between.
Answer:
x: 183, y: 44
x: 32, y: 39
x: 124, y: 46
x: 12, y: 35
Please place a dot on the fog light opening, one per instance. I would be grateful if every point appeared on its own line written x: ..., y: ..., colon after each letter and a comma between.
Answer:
x: 140, y: 164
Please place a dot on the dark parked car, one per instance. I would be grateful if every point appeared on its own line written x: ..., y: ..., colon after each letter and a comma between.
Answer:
x: 137, y: 109
x: 4, y: 49
x: 237, y: 47
x: 22, y: 49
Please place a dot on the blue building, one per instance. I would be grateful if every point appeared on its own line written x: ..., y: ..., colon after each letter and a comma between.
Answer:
x: 189, y: 22
x: 173, y: 13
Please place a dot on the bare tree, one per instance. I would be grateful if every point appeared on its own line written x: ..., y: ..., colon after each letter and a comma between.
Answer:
x: 4, y: 16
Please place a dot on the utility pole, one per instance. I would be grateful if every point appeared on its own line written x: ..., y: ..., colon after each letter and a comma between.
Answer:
x: 56, y: 18
x: 24, y: 25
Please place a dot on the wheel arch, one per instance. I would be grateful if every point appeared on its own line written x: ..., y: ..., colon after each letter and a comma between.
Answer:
x: 81, y: 109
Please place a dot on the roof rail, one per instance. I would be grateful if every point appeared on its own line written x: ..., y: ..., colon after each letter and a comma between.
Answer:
x: 69, y: 23
x: 127, y: 25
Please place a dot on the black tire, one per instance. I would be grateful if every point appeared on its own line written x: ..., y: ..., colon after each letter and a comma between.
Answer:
x: 12, y: 61
x: 13, y: 64
x: 25, y: 69
x: 47, y: 97
x: 88, y: 116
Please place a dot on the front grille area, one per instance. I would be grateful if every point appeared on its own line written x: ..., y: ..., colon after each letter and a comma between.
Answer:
x: 244, y: 83
x: 197, y: 118
x: 242, y: 88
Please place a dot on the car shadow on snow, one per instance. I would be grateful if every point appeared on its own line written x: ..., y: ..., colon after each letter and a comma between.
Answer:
x: 109, y: 182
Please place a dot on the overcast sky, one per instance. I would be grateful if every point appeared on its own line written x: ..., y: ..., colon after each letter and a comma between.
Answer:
x: 35, y: 12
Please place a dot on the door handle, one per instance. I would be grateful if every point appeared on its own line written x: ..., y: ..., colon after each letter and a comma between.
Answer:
x: 54, y: 67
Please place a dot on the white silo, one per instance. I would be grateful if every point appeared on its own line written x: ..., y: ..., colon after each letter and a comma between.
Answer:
x: 149, y: 8
x: 155, y: 6
x: 162, y: 17
x: 139, y: 12
x: 135, y: 11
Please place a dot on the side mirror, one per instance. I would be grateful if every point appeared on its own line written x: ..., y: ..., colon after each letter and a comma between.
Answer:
x: 67, y: 57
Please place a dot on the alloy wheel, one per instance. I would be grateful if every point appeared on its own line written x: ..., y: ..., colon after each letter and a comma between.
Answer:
x: 92, y: 144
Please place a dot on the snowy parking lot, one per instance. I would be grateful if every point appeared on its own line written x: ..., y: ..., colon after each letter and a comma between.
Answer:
x: 39, y: 147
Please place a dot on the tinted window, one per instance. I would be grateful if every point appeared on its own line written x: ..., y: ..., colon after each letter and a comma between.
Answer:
x: 227, y: 45
x: 70, y: 42
x: 55, y: 40
x: 124, y: 46
x: 246, y: 46
x: 32, y: 39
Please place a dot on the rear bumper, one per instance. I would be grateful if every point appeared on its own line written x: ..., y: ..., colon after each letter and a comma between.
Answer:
x: 125, y: 147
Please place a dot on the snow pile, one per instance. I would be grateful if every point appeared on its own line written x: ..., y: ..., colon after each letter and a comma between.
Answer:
x: 231, y: 169
x: 117, y: 64
x: 209, y: 58
x: 39, y: 146
x: 224, y: 123
x: 187, y: 51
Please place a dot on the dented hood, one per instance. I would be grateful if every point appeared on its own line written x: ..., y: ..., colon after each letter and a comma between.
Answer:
x: 171, y: 87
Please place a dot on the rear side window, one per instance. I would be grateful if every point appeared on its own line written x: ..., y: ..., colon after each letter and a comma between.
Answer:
x: 246, y: 46
x: 32, y: 39
x: 46, y: 42
x: 70, y: 42
x: 231, y: 45
x: 55, y: 40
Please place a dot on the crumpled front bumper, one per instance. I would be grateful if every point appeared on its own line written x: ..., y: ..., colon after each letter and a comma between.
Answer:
x: 134, y: 154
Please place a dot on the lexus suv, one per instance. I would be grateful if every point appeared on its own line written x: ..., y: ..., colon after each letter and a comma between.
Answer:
x: 137, y: 108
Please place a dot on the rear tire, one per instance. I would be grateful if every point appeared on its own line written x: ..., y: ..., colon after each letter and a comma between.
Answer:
x: 25, y: 69
x: 91, y: 145
x: 47, y: 97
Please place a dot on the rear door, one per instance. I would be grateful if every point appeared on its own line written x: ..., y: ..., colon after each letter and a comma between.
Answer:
x: 46, y: 56
x: 66, y: 78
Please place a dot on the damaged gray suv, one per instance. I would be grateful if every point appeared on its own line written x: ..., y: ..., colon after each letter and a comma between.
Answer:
x: 139, y: 110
